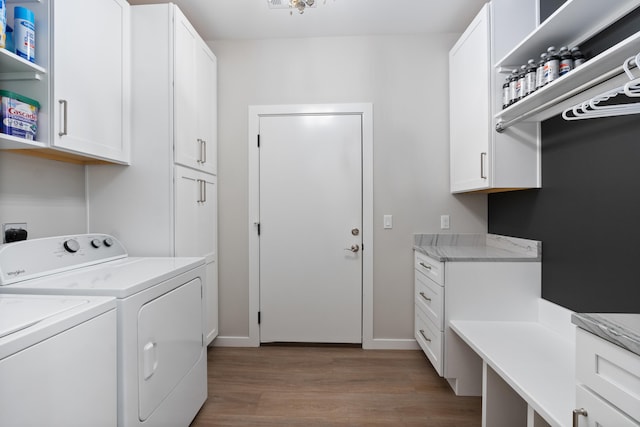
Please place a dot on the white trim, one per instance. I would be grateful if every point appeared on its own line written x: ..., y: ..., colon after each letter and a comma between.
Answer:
x: 392, y: 344
x: 366, y: 111
x: 232, y: 342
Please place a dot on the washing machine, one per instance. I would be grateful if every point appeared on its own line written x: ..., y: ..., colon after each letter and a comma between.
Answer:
x: 57, y: 361
x: 162, y: 373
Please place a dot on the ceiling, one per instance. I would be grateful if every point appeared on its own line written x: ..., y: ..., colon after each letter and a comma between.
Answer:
x: 253, y: 19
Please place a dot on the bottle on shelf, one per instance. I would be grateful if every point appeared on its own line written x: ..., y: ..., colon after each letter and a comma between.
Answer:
x: 530, y: 77
x: 566, y: 61
x: 521, y: 84
x: 513, y: 82
x: 578, y: 57
x: 540, y: 71
x: 506, y: 93
x: 552, y: 66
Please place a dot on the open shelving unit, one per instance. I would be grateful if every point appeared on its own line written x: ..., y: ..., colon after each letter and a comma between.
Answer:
x: 573, y: 23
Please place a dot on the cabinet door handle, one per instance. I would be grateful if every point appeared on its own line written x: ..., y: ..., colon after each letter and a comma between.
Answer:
x: 428, y: 267
x: 483, y: 156
x: 203, y: 151
x: 424, y: 336
x: 576, y: 415
x: 204, y: 191
x: 425, y: 297
x: 63, y: 117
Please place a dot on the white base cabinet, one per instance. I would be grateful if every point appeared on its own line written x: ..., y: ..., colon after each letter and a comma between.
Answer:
x: 468, y: 290
x: 159, y: 206
x: 608, y: 383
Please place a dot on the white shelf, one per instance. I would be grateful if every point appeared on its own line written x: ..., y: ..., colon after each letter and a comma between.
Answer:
x: 594, y: 72
x: 15, y: 68
x: 8, y: 142
x: 573, y: 23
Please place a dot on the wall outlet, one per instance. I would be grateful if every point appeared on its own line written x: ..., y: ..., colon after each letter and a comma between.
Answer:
x: 14, y: 231
x: 444, y: 222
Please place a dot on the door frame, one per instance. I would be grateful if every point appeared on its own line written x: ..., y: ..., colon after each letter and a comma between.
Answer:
x: 365, y: 110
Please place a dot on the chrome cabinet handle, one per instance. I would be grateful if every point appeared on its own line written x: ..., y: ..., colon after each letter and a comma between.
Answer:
x: 428, y: 267
x: 482, y: 157
x: 425, y: 297
x: 203, y: 190
x: 576, y: 415
x: 63, y: 117
x: 203, y: 151
x: 424, y: 336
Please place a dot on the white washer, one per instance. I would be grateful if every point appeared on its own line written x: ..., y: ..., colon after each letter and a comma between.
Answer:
x: 162, y: 377
x: 57, y: 361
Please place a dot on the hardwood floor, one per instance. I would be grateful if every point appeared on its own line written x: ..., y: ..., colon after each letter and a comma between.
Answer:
x: 329, y: 386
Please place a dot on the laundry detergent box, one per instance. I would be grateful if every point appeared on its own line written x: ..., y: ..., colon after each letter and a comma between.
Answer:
x: 18, y: 115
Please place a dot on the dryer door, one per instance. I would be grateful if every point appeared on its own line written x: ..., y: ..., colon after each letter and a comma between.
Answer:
x: 170, y: 342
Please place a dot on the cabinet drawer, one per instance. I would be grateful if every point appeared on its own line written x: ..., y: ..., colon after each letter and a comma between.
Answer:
x: 429, y: 297
x: 610, y: 371
x: 430, y: 267
x: 429, y: 339
x: 599, y: 412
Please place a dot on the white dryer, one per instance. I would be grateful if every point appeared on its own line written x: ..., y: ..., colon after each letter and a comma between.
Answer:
x: 57, y: 361
x: 162, y: 377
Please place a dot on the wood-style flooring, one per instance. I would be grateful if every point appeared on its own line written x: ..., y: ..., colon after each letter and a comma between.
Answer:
x: 329, y: 386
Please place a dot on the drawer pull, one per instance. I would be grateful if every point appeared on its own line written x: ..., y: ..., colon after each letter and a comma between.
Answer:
x: 576, y: 415
x: 425, y: 297
x: 428, y: 267
x: 425, y: 337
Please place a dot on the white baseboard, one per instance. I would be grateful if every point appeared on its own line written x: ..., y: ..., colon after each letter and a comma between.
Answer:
x: 391, y: 344
x: 234, y: 342
x: 374, y: 344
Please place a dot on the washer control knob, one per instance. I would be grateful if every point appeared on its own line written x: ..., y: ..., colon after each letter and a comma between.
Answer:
x: 96, y: 243
x: 108, y: 242
x: 71, y: 245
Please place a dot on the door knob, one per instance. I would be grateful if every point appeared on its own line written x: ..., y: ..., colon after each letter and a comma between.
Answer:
x: 353, y: 248
x: 355, y: 231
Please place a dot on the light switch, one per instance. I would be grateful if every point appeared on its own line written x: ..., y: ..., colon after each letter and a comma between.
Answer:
x: 388, y: 221
x: 444, y: 222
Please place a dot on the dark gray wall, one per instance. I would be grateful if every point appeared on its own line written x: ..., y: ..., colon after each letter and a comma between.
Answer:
x: 587, y: 213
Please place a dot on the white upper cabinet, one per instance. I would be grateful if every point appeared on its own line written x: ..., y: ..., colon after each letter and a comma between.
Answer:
x: 80, y: 78
x: 195, y: 94
x: 91, y: 78
x: 480, y: 158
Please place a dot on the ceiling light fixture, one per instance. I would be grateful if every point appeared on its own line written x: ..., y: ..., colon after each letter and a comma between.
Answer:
x: 300, y: 5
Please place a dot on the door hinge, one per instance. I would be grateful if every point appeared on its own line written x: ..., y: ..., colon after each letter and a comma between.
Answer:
x: 258, y: 318
x: 258, y: 140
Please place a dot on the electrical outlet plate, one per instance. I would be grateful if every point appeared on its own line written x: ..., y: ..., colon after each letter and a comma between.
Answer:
x: 10, y: 225
x: 444, y: 222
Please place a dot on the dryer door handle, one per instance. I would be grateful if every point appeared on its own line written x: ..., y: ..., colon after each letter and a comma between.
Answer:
x: 150, y: 359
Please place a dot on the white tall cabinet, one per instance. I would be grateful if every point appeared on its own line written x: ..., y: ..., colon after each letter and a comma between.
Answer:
x: 165, y: 203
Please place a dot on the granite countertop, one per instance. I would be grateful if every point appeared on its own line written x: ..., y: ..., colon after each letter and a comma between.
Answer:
x: 477, y: 247
x: 621, y: 329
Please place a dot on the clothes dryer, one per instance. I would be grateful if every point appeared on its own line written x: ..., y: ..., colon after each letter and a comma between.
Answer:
x: 162, y: 377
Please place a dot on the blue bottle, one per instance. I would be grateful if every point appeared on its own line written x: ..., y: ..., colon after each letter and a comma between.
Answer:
x: 24, y: 34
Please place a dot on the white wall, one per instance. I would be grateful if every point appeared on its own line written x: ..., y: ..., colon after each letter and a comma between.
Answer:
x: 406, y: 79
x: 47, y: 194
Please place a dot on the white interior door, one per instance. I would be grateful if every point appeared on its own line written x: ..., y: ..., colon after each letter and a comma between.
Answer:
x: 310, y: 218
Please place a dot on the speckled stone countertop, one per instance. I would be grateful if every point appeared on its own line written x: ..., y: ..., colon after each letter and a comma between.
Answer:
x: 477, y: 247
x: 621, y: 329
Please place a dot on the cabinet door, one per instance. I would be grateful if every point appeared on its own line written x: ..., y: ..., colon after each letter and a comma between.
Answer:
x: 195, y: 99
x: 196, y: 226
x: 469, y: 121
x: 599, y: 412
x: 187, y: 144
x: 91, y: 78
x: 207, y: 116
